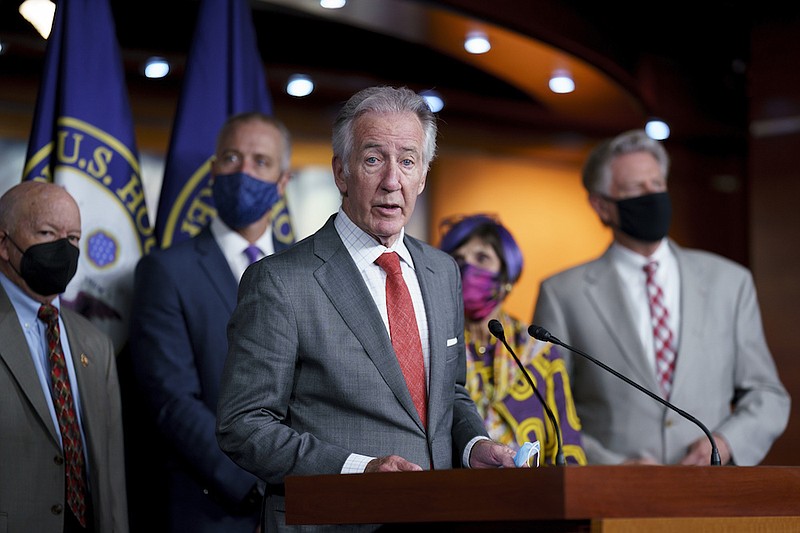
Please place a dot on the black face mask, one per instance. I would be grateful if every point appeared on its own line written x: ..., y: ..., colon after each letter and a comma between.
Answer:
x: 48, y: 267
x: 647, y: 217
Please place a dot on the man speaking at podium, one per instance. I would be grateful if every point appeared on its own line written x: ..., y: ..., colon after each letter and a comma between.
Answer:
x: 346, y: 352
x: 683, y: 323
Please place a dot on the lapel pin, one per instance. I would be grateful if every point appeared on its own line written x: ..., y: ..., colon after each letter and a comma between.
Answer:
x: 84, y: 360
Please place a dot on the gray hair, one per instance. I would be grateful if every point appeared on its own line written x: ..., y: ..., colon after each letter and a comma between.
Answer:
x: 383, y: 99
x: 597, y: 170
x: 248, y: 116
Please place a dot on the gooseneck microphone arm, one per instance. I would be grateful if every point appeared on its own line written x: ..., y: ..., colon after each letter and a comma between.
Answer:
x: 538, y: 332
x: 496, y: 329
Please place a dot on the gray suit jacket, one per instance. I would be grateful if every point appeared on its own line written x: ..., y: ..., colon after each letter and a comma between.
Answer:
x: 31, y: 462
x: 723, y: 361
x: 311, y: 376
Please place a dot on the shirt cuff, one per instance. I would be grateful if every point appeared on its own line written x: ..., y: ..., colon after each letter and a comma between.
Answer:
x: 356, y: 464
x: 468, y: 450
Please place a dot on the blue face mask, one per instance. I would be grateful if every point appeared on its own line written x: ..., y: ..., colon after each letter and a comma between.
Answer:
x: 241, y: 199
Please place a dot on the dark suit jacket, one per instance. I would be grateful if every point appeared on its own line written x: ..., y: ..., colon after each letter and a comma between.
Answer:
x: 311, y: 376
x: 31, y: 462
x: 722, y: 360
x: 183, y: 298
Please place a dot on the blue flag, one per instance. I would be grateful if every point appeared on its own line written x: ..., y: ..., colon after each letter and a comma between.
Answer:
x: 224, y: 76
x: 83, y: 139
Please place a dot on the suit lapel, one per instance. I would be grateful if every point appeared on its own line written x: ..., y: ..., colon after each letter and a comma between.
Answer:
x: 434, y: 293
x: 16, y: 355
x: 693, y: 298
x: 605, y: 293
x: 216, y: 269
x: 87, y: 366
x: 339, y: 278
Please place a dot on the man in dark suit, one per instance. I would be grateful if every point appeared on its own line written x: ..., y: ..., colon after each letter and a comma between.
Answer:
x: 683, y: 323
x: 183, y: 298
x: 313, y: 383
x: 62, y: 465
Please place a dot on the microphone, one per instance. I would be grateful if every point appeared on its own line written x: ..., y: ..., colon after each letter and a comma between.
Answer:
x: 538, y: 332
x: 496, y: 329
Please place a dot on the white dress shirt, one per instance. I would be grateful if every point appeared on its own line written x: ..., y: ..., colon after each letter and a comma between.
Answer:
x: 630, y: 267
x: 232, y: 245
x: 364, y: 250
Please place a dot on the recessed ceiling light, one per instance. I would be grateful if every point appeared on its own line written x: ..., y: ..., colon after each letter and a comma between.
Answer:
x: 156, y: 67
x: 299, y: 85
x: 332, y: 4
x: 434, y: 100
x: 477, y: 42
x: 561, y: 82
x: 40, y: 14
x: 657, y: 129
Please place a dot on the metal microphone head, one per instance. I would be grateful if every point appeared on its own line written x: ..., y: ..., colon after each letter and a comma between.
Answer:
x: 496, y: 329
x: 539, y: 333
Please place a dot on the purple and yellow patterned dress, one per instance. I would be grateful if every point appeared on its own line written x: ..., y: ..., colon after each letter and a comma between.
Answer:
x: 510, y: 409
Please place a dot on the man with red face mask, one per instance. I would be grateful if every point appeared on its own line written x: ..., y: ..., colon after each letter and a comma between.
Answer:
x: 491, y: 262
x: 683, y: 323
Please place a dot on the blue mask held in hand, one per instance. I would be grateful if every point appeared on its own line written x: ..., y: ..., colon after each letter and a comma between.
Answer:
x: 241, y: 199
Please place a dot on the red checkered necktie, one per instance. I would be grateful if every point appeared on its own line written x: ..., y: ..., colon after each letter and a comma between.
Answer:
x: 663, y: 338
x: 67, y: 419
x: 404, y: 332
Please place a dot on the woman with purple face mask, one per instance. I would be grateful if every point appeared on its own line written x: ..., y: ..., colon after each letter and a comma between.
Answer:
x: 491, y: 262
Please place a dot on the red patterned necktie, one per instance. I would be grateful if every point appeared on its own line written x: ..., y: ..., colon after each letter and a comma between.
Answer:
x: 404, y: 332
x: 664, y: 340
x: 67, y: 419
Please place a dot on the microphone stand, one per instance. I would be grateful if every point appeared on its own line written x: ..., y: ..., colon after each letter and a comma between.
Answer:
x: 542, y: 334
x: 496, y: 329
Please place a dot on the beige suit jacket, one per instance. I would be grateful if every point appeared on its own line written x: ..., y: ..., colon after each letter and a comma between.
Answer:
x: 31, y: 461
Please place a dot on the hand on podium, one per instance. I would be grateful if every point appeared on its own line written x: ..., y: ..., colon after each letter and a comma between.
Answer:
x: 391, y: 463
x: 489, y: 454
x: 701, y: 448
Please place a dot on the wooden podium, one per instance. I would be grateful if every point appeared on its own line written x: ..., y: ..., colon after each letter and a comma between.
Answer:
x: 571, y: 498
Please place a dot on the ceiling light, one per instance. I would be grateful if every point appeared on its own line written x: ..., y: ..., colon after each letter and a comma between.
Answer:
x: 2, y: 47
x: 156, y: 67
x: 332, y: 4
x: 433, y: 99
x: 657, y: 129
x: 561, y: 82
x: 477, y: 42
x: 40, y: 14
x: 299, y: 85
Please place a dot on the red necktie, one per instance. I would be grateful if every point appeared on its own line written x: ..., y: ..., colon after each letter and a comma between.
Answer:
x: 404, y: 332
x: 664, y: 341
x: 67, y: 419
